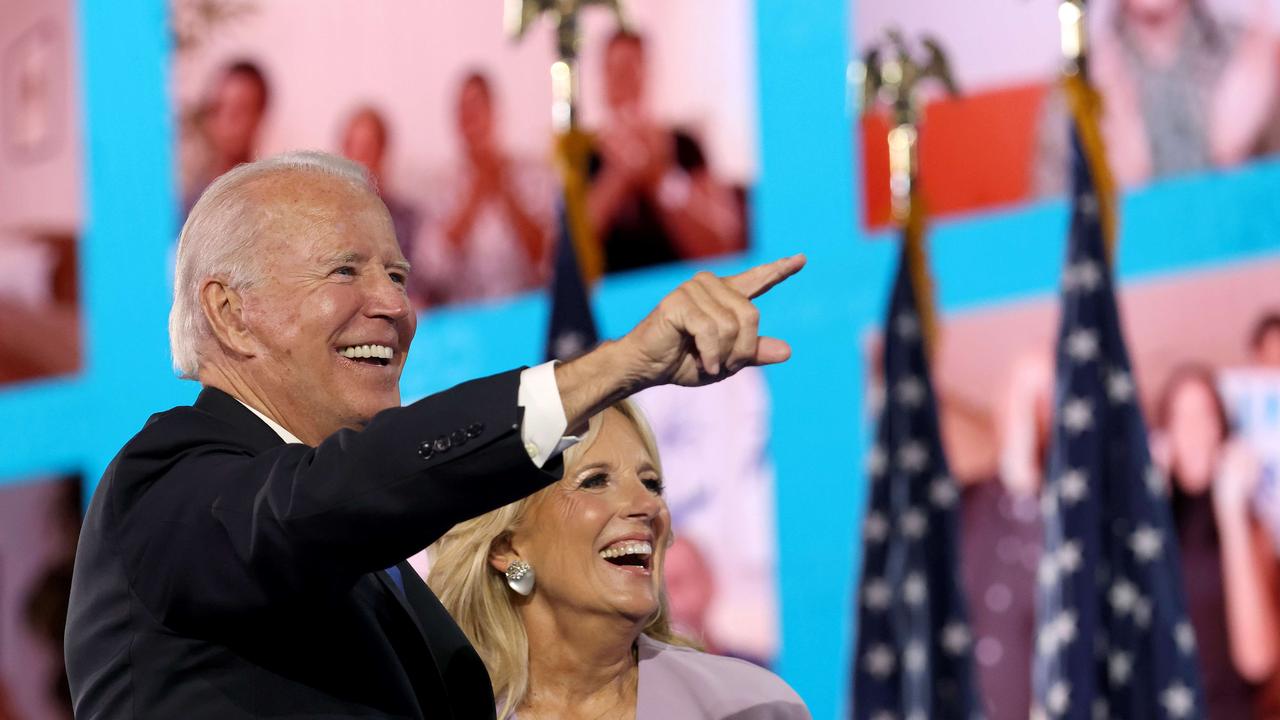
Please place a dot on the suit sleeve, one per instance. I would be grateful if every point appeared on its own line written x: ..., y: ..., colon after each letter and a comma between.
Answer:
x: 213, y: 532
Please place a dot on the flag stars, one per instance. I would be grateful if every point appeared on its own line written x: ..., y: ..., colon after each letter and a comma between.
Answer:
x: 875, y: 528
x: 914, y: 589
x: 1058, y: 699
x: 1082, y: 345
x: 915, y: 659
x: 879, y: 661
x: 909, y: 392
x: 1073, y: 486
x: 1119, y: 668
x: 1178, y: 700
x: 943, y: 493
x: 1101, y: 711
x: 1084, y: 275
x: 913, y: 456
x: 569, y: 344
x: 876, y: 594
x: 907, y: 326
x: 956, y: 638
x: 1119, y: 386
x: 914, y: 524
x: 1077, y: 415
x: 1048, y: 573
x: 1185, y: 636
x: 1146, y: 543
x: 1056, y: 633
x: 1123, y: 596
x: 1068, y: 556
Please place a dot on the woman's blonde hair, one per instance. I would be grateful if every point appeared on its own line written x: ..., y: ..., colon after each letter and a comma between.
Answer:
x: 477, y: 596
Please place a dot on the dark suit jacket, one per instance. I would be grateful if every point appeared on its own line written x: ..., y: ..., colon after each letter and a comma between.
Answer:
x: 224, y: 574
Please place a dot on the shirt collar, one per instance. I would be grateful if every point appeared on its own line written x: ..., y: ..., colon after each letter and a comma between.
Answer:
x: 285, y: 435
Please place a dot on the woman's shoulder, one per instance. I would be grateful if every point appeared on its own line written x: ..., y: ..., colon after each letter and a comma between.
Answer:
x: 683, y: 682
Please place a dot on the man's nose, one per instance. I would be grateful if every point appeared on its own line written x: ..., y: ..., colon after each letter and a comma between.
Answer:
x: 387, y: 298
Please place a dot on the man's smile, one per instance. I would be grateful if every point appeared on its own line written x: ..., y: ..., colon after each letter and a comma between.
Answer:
x: 372, y: 354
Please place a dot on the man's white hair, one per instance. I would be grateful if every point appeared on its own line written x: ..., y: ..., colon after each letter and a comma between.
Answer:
x: 218, y: 238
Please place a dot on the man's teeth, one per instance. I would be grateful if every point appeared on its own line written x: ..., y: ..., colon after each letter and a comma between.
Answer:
x: 368, y: 351
x: 627, y: 547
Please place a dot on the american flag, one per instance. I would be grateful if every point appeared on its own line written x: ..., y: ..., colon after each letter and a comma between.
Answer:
x: 572, y: 330
x: 912, y: 656
x: 1113, y: 638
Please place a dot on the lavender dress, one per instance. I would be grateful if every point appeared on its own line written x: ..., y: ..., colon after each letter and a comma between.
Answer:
x: 678, y: 683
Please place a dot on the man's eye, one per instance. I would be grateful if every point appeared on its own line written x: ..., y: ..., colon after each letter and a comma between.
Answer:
x: 595, y: 481
x: 345, y: 270
x: 399, y: 278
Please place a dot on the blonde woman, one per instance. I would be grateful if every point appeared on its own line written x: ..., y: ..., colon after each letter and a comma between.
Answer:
x: 562, y: 595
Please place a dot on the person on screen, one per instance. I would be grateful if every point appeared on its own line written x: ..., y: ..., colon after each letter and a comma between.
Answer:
x: 490, y: 220
x: 231, y: 123
x: 691, y: 589
x: 653, y: 198
x: 242, y: 557
x: 1227, y: 563
x: 1264, y: 341
x: 1182, y: 91
x: 1002, y: 535
x: 563, y: 595
x: 365, y: 138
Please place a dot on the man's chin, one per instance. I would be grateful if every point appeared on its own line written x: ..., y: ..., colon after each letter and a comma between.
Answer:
x: 367, y: 410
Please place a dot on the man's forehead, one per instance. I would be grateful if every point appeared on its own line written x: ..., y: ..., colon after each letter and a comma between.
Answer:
x: 305, y: 189
x: 312, y: 200
x: 319, y: 215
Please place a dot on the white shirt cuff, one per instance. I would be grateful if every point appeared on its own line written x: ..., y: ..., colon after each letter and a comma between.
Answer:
x: 544, y: 422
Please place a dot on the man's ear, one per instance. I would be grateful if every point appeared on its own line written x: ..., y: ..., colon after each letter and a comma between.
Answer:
x: 501, y: 553
x: 224, y: 309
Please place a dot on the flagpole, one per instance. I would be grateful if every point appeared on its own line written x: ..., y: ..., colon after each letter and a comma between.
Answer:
x: 572, y: 144
x: 892, y: 75
x: 579, y: 259
x: 1085, y: 106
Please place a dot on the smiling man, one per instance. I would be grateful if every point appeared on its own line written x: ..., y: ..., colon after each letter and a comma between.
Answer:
x: 243, y: 556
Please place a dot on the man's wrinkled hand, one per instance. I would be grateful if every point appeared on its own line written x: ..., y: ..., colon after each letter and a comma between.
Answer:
x: 708, y: 329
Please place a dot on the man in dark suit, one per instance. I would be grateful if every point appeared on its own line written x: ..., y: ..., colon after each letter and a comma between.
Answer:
x: 243, y: 557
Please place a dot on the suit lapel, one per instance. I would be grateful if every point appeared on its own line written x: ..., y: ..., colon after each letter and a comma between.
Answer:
x: 420, y: 621
x: 401, y: 599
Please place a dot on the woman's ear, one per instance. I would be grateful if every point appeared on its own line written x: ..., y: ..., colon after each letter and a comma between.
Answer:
x: 501, y: 553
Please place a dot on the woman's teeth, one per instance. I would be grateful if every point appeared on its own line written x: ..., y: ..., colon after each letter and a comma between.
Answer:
x: 627, y: 547
x: 368, y: 351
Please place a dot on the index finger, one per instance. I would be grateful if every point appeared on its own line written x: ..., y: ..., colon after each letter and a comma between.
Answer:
x: 758, y: 280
